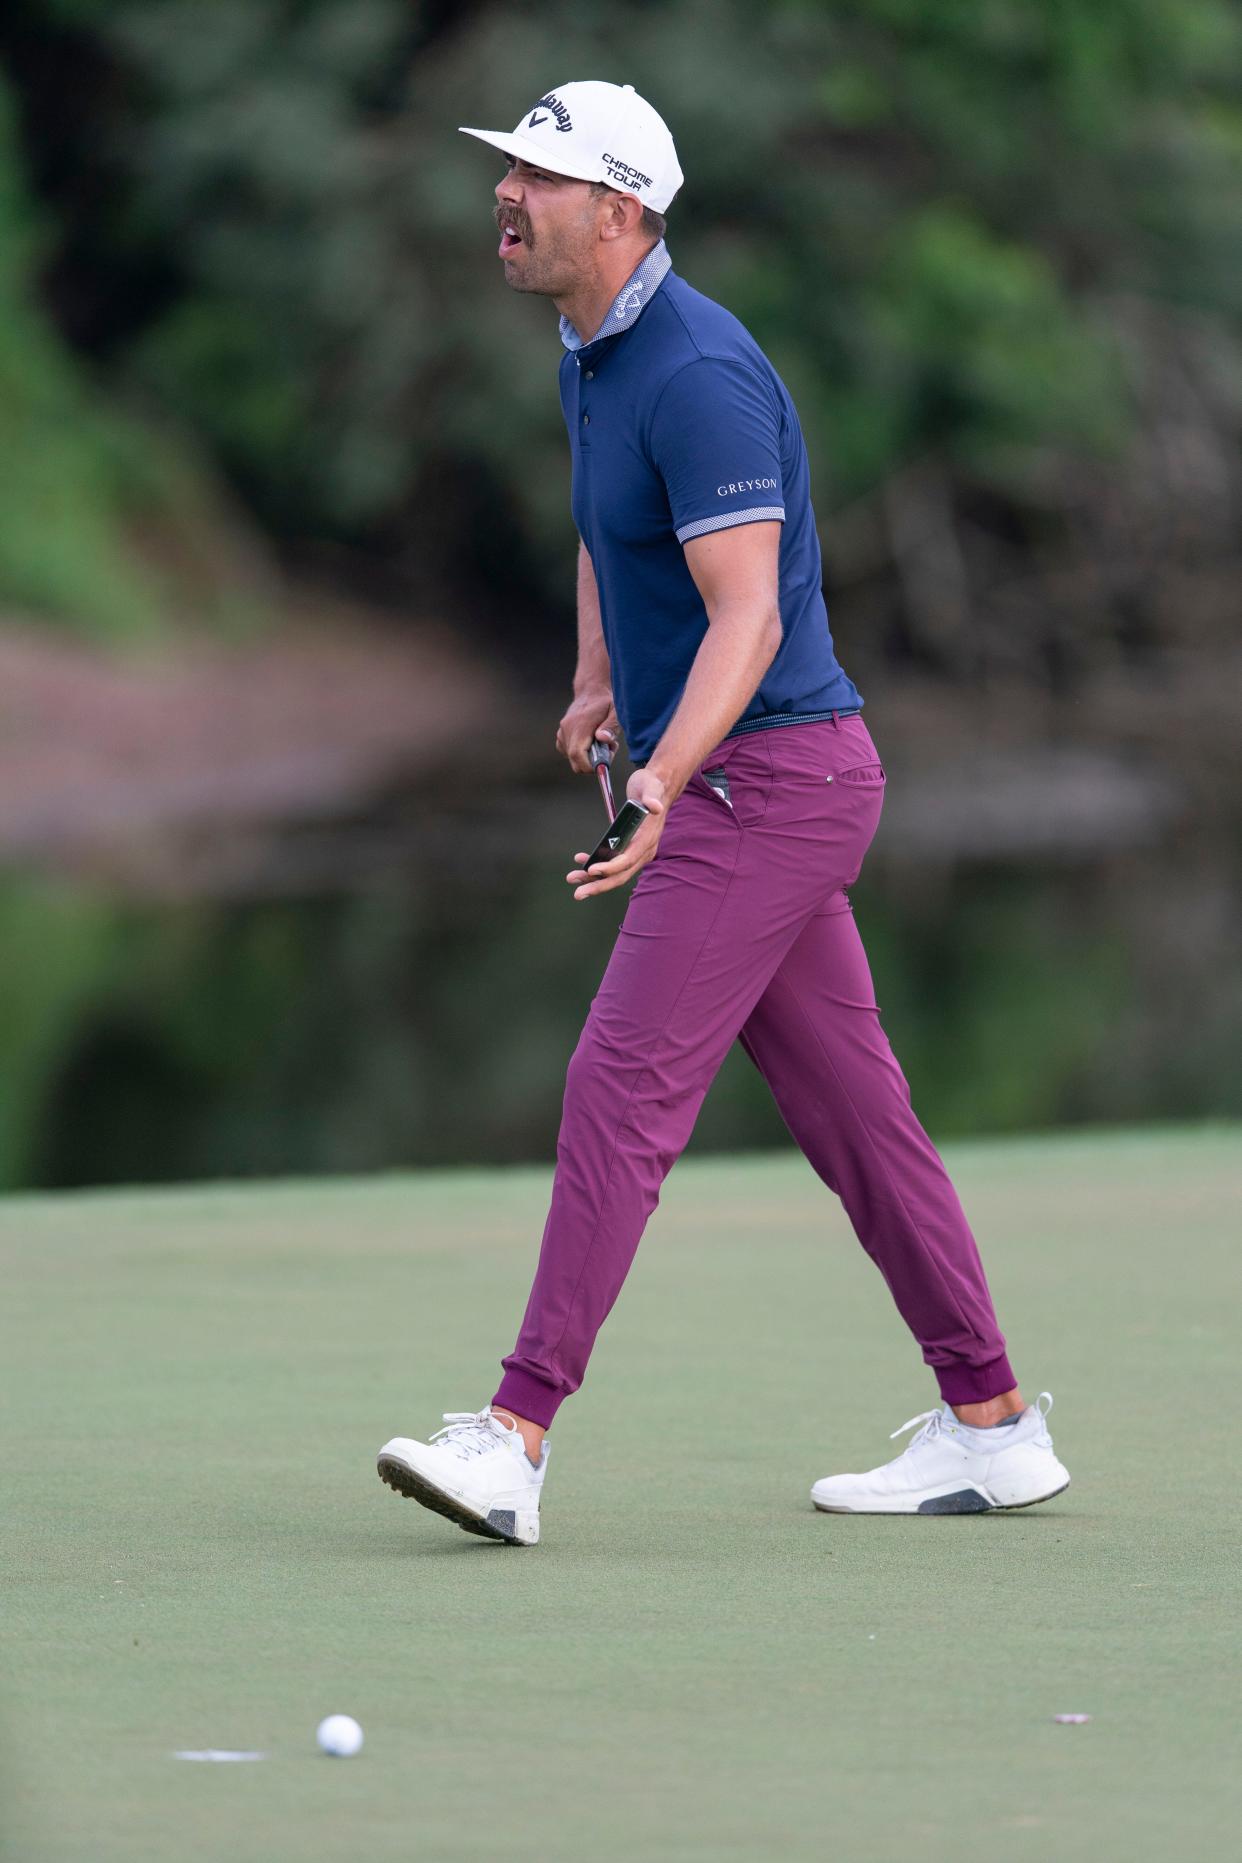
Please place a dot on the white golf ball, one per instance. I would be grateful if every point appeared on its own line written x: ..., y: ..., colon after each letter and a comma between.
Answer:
x: 339, y: 1735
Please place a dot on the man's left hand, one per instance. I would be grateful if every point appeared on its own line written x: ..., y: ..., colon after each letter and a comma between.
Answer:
x: 605, y: 875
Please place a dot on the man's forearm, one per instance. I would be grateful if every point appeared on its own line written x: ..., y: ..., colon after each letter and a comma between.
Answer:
x: 593, y: 674
x: 732, y: 659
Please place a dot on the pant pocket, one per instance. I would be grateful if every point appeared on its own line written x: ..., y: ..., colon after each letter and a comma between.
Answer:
x: 867, y: 775
x: 737, y: 777
x: 719, y: 781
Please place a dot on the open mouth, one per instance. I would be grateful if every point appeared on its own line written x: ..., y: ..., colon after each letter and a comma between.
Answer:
x: 512, y: 226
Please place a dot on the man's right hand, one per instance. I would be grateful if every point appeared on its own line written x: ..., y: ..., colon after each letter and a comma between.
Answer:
x: 590, y: 717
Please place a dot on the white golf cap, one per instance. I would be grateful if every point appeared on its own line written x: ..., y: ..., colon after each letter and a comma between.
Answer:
x: 597, y: 132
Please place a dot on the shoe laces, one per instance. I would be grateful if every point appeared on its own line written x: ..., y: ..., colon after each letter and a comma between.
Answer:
x: 470, y: 1432
x: 934, y: 1422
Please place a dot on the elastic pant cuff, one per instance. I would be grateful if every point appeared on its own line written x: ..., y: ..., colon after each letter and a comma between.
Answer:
x: 528, y: 1397
x: 975, y: 1384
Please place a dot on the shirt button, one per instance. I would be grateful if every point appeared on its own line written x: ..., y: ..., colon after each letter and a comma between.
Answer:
x: 586, y: 420
x: 590, y: 375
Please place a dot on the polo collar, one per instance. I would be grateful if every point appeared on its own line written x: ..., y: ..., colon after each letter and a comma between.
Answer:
x: 628, y: 305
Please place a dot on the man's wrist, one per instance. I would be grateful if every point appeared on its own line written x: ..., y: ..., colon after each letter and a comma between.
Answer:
x: 666, y: 771
x: 586, y: 688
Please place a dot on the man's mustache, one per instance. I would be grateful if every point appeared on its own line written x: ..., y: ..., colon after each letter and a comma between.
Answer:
x: 507, y: 216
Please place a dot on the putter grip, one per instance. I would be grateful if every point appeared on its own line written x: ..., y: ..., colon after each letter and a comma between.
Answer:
x: 600, y: 753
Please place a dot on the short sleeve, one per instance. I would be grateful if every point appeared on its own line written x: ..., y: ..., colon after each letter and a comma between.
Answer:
x: 715, y: 440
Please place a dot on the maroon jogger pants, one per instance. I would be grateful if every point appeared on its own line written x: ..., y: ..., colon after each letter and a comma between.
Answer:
x: 741, y: 929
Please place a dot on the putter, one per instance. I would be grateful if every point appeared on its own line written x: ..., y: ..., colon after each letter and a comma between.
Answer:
x: 621, y: 827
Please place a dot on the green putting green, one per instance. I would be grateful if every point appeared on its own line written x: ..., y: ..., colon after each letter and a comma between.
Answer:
x: 694, y: 1664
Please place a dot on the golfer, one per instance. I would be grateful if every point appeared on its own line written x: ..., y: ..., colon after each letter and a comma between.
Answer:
x: 702, y: 634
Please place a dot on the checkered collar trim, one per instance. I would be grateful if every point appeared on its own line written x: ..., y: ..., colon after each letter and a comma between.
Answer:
x: 627, y: 307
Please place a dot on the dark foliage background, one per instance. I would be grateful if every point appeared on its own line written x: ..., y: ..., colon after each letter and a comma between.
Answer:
x: 285, y: 554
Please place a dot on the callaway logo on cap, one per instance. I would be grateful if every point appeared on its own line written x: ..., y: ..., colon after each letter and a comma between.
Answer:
x: 596, y: 132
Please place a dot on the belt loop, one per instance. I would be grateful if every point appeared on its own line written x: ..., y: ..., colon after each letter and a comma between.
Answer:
x: 836, y: 722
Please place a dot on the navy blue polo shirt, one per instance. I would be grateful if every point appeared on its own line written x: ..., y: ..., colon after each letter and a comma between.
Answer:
x: 679, y: 425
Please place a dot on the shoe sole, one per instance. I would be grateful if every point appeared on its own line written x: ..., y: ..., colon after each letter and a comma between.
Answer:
x: 965, y: 1501
x: 403, y: 1480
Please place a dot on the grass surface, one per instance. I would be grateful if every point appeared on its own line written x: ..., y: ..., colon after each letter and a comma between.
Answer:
x: 693, y: 1664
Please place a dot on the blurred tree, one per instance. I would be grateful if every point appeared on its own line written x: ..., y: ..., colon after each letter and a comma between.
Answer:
x: 934, y: 218
x: 108, y: 521
x: 992, y: 247
x: 917, y: 209
x: 72, y: 471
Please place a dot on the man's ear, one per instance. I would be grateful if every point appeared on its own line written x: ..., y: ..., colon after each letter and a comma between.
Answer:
x: 623, y: 216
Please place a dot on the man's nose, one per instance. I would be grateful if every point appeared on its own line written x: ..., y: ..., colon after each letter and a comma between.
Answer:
x: 508, y: 191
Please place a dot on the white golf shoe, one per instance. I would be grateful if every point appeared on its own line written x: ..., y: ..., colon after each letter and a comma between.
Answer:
x: 475, y: 1471
x: 949, y: 1468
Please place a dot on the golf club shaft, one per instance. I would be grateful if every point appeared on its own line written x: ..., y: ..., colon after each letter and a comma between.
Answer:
x: 601, y: 758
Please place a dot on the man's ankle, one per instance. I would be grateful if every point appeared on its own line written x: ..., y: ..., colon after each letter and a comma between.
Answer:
x: 992, y: 1411
x: 532, y: 1434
